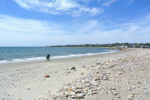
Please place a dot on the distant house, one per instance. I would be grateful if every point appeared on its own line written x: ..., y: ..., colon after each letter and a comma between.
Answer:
x: 124, y: 46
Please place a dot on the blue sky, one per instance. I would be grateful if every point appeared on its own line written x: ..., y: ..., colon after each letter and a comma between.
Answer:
x: 55, y: 22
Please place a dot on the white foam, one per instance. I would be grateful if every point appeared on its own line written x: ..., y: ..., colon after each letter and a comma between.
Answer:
x: 80, y: 55
x: 53, y: 57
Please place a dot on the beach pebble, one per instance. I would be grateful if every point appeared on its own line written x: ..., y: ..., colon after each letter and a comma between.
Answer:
x: 92, y: 82
x: 46, y: 76
x: 115, y: 93
x: 97, y: 78
x: 130, y: 97
x: 68, y: 72
x: 145, y: 91
x: 69, y: 89
x: 105, y: 78
x: 78, y: 91
x: 73, y: 68
x: 73, y: 96
x: 98, y: 63
x: 80, y: 95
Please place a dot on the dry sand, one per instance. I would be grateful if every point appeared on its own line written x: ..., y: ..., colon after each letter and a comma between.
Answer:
x: 128, y: 79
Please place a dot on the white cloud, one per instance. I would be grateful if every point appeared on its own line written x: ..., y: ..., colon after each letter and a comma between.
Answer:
x: 27, y: 32
x: 70, y: 7
x: 109, y: 2
x: 18, y: 31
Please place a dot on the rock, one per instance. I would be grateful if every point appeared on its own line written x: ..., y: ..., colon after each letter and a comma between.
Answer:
x: 68, y: 72
x: 130, y: 97
x: 145, y: 91
x: 120, y: 73
x: 46, y: 76
x: 78, y: 91
x: 72, y: 93
x: 80, y: 96
x: 79, y: 86
x: 98, y: 63
x: 69, y: 89
x: 73, y: 96
x: 112, y: 66
x: 73, y: 88
x: 95, y: 84
x: 28, y: 88
x: 105, y: 78
x: 97, y: 78
x: 73, y: 68
x: 115, y: 93
x: 54, y: 97
x: 94, y: 92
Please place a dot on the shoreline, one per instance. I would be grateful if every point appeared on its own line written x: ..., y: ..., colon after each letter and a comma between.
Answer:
x: 33, y: 80
x: 37, y: 59
x: 5, y: 66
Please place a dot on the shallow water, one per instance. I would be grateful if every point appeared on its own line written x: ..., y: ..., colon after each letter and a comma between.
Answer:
x: 14, y: 54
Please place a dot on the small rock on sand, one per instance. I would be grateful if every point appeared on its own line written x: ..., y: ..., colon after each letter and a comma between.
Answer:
x: 46, y: 76
x: 73, y: 68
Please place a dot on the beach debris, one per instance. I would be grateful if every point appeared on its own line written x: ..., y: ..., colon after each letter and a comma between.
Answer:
x: 46, y: 76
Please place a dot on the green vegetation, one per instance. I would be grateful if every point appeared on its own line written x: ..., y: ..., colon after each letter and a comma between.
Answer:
x: 123, y: 45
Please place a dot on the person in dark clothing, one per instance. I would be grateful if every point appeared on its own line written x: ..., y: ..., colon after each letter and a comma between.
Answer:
x: 48, y: 57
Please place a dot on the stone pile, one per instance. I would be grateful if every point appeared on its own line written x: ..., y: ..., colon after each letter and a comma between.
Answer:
x: 83, y: 86
x: 91, y: 84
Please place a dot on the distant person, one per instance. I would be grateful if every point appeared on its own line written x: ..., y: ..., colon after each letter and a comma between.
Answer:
x: 48, y: 57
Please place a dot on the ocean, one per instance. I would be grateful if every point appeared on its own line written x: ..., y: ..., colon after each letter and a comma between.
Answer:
x: 21, y: 54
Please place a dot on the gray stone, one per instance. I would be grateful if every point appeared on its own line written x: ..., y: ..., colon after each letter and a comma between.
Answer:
x: 73, y: 68
x: 80, y: 95
x: 78, y: 91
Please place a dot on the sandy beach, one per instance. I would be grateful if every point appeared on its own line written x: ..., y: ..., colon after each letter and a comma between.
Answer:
x: 123, y: 75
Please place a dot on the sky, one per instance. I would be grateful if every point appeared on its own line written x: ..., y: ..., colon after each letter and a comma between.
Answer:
x: 61, y: 22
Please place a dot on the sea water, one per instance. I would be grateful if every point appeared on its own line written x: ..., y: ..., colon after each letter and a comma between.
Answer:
x: 19, y: 54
